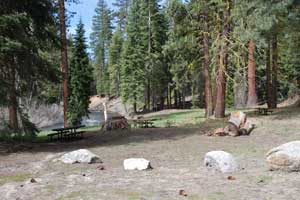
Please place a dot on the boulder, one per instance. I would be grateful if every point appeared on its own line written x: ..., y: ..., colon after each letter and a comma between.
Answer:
x: 285, y: 157
x: 136, y: 164
x: 80, y: 156
x: 220, y: 161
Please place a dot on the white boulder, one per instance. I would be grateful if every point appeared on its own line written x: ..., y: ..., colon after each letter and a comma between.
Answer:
x: 285, y: 157
x: 80, y: 156
x: 220, y: 161
x: 136, y: 164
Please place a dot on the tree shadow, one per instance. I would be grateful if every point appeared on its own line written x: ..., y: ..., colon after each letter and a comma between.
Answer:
x: 104, y: 139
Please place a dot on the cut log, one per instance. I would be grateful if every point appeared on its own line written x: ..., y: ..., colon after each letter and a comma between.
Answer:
x: 232, y: 130
x: 116, y: 124
x: 238, y: 125
x: 238, y: 119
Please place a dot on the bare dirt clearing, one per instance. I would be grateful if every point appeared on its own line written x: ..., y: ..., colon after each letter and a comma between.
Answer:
x: 176, y: 155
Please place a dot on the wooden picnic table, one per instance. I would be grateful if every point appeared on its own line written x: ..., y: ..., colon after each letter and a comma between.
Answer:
x: 264, y: 111
x: 66, y: 133
x: 143, y: 123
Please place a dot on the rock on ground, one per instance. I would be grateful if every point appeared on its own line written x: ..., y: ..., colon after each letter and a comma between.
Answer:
x: 285, y: 157
x: 220, y: 161
x: 80, y: 156
x: 136, y: 164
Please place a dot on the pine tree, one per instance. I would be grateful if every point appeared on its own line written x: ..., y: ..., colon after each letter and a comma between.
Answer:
x: 121, y: 13
x: 133, y: 66
x: 157, y: 79
x: 100, y: 41
x: 114, y: 65
x: 27, y: 33
x: 64, y: 58
x: 80, y: 78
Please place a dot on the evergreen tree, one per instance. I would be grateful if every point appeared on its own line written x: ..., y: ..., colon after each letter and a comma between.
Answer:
x: 114, y: 65
x: 121, y: 13
x: 64, y: 59
x: 27, y: 33
x: 133, y: 65
x: 145, y: 36
x: 80, y: 78
x: 100, y: 41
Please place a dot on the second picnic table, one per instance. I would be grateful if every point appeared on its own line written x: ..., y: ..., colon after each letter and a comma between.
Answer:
x: 66, y: 133
x: 143, y: 123
x: 264, y: 111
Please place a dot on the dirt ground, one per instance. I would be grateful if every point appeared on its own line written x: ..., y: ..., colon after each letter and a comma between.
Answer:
x: 176, y: 155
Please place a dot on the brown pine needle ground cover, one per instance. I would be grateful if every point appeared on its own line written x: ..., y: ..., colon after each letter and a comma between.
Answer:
x: 176, y: 155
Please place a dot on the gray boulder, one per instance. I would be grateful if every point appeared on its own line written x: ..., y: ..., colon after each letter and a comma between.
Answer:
x: 136, y: 164
x: 220, y: 161
x: 80, y: 156
x: 285, y: 157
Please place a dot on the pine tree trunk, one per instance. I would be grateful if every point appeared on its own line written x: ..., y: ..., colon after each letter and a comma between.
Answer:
x: 13, y: 106
x: 208, y: 95
x: 64, y: 58
x: 217, y: 66
x: 220, y: 76
x: 148, y: 104
x: 169, y: 98
x: 175, y: 98
x: 268, y: 76
x: 274, y: 71
x: 252, y: 97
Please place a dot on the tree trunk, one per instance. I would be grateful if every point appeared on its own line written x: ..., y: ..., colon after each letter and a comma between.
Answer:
x: 64, y: 58
x: 268, y: 76
x: 169, y: 98
x: 175, y: 98
x: 220, y: 76
x: 13, y: 103
x: 240, y: 89
x: 148, y: 104
x: 208, y: 95
x: 274, y: 71
x: 252, y: 97
x: 162, y: 103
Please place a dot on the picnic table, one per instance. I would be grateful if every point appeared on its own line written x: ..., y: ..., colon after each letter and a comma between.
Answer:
x: 66, y: 133
x: 264, y: 111
x: 143, y: 123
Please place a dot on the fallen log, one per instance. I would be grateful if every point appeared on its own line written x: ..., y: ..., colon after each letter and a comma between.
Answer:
x: 238, y: 125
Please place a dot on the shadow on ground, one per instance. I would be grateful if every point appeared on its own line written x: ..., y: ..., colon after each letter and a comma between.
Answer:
x: 100, y: 138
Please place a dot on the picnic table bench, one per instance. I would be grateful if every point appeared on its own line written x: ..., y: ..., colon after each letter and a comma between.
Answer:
x: 66, y: 133
x: 264, y: 111
x: 143, y: 123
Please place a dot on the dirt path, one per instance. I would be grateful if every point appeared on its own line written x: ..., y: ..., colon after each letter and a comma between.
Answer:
x: 177, y: 158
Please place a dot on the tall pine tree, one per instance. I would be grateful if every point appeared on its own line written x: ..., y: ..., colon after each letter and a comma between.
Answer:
x: 100, y: 41
x: 114, y: 65
x: 80, y: 78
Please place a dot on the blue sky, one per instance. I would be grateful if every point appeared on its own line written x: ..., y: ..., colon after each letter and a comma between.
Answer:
x: 85, y: 10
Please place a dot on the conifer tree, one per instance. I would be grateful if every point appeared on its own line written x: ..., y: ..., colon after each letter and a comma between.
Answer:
x: 80, y: 78
x: 121, y: 13
x: 27, y: 33
x: 133, y: 65
x: 114, y: 65
x: 100, y: 41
